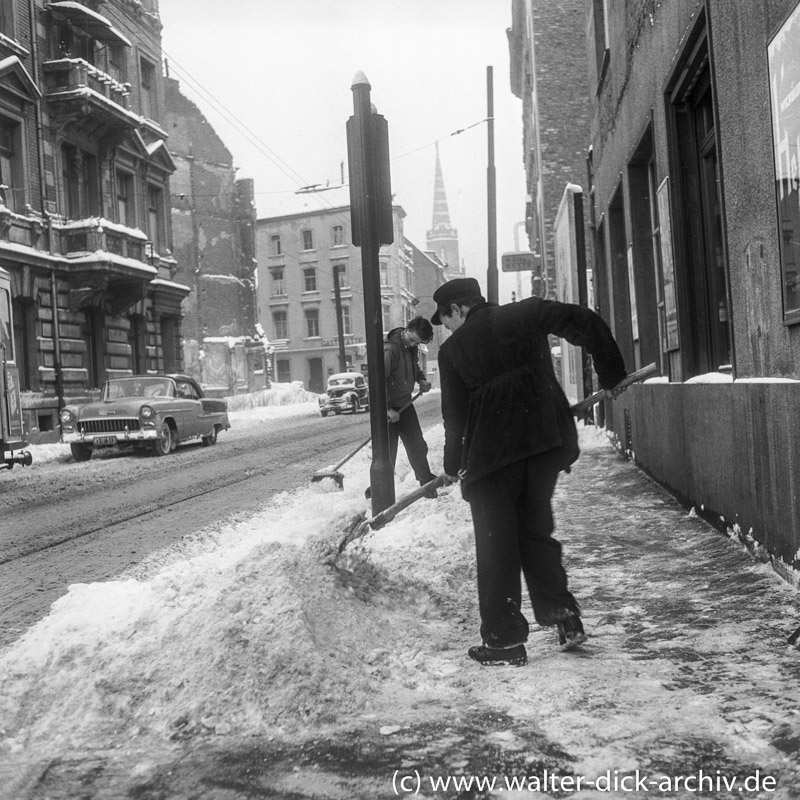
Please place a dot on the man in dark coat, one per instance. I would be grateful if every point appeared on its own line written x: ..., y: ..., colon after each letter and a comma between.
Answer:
x: 508, y: 433
x: 402, y: 371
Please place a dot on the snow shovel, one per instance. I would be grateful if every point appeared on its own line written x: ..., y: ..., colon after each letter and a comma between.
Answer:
x: 641, y: 374
x: 361, y: 526
x: 333, y: 472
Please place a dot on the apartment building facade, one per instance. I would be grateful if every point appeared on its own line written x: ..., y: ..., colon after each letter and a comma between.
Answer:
x: 84, y: 219
x: 303, y: 245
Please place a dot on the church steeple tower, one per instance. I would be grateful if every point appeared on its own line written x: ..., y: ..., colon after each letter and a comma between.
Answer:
x: 442, y: 238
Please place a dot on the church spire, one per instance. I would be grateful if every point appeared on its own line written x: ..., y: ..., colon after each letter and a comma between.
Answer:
x: 441, y: 215
x: 442, y: 237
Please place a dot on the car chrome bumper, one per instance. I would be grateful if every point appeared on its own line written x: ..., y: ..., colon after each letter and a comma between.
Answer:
x: 122, y: 437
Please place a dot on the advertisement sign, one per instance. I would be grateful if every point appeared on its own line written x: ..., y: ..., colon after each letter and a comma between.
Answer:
x: 784, y: 80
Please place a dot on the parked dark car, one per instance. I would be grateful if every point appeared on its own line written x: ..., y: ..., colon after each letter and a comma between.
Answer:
x: 144, y: 411
x: 346, y: 391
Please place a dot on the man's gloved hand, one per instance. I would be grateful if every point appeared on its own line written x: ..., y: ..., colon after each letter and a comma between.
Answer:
x: 424, y: 386
x: 393, y: 414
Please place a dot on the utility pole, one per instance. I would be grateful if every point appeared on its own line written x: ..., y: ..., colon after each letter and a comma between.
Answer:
x: 371, y: 223
x: 337, y: 293
x: 491, y: 196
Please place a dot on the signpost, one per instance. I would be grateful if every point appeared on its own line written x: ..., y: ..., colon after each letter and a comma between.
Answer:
x: 372, y: 226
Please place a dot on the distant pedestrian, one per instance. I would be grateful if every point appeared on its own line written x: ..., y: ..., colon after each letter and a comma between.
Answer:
x: 402, y: 372
x: 508, y: 433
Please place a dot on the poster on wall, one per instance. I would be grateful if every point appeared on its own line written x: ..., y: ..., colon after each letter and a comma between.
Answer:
x: 667, y: 267
x: 784, y: 81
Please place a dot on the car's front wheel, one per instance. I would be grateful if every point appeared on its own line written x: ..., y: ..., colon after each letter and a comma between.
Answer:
x: 81, y: 452
x: 323, y: 413
x: 163, y: 445
x: 210, y: 439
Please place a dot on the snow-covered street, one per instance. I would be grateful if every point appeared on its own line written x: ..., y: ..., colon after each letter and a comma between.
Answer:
x: 254, y: 662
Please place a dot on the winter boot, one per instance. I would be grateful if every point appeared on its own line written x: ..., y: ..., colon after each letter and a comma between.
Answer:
x: 570, y: 633
x: 514, y: 656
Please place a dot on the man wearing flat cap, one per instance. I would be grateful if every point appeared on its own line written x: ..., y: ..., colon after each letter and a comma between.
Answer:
x: 509, y: 432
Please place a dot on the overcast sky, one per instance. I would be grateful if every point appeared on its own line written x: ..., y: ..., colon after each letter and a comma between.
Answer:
x: 274, y: 77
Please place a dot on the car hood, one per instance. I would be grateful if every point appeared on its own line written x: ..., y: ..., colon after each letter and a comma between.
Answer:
x: 124, y: 407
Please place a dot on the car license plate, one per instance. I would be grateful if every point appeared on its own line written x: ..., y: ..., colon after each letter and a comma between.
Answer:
x: 104, y: 441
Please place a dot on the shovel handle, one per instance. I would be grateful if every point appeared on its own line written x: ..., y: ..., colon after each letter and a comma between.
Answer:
x: 369, y: 438
x: 641, y: 374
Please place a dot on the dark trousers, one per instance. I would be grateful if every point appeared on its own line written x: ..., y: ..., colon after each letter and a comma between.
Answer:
x: 408, y: 430
x: 513, y: 520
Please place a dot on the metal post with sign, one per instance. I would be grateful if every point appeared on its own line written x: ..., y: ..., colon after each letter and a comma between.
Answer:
x: 372, y: 225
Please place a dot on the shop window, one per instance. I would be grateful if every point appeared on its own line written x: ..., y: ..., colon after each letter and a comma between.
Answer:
x: 704, y: 271
x: 170, y: 344
x: 25, y: 343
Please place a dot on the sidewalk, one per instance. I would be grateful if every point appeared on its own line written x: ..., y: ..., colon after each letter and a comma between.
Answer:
x: 686, y: 687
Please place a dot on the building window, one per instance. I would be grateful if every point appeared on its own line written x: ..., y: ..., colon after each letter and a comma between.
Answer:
x: 310, y: 280
x: 125, y: 205
x: 387, y: 317
x: 337, y: 234
x: 147, y: 89
x: 308, y: 240
x: 283, y: 367
x: 12, y: 180
x: 279, y: 323
x: 601, y: 49
x: 312, y: 322
x: 275, y: 245
x: 384, y: 274
x: 347, y: 329
x: 81, y: 182
x: 278, y: 283
x: 340, y: 271
x: 155, y: 216
x: 117, y: 63
x: 7, y: 25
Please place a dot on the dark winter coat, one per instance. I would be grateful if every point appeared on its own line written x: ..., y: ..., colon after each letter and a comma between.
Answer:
x: 501, y: 401
x: 402, y: 370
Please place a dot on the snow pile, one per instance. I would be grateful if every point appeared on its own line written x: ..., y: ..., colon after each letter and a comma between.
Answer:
x: 262, y: 629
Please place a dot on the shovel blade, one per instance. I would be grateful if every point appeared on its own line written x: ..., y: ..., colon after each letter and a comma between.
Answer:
x: 337, y: 477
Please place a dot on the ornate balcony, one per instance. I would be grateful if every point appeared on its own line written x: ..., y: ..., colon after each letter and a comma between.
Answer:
x: 78, y: 92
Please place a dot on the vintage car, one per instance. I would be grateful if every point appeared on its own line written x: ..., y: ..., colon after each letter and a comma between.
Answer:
x: 144, y: 411
x: 346, y: 391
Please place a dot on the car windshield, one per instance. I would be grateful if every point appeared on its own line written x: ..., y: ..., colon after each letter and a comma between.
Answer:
x: 340, y: 382
x: 137, y: 387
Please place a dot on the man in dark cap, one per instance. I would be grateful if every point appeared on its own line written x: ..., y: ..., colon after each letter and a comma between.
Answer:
x: 508, y: 433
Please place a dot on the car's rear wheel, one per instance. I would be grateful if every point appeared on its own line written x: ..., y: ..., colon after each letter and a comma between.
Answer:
x: 163, y: 445
x: 210, y: 439
x: 81, y: 452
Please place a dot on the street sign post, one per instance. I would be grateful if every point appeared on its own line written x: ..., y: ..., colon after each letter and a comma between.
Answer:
x: 521, y: 261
